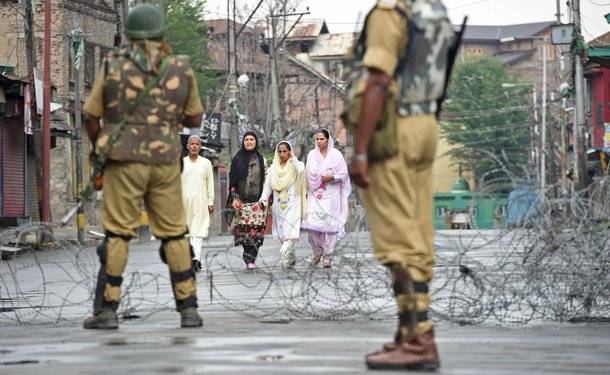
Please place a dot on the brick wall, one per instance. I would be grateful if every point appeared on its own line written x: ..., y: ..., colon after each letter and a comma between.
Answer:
x: 97, y: 20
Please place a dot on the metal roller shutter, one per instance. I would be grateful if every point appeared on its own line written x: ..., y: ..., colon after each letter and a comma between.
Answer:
x: 13, y: 166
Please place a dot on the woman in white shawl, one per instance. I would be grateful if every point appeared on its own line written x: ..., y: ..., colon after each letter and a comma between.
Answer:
x: 328, y: 187
x: 286, y: 180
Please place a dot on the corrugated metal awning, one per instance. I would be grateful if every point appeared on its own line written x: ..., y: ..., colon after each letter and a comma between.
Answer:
x: 600, y: 55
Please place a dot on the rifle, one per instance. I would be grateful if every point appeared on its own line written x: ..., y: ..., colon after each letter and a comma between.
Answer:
x: 95, y: 181
x: 453, y: 50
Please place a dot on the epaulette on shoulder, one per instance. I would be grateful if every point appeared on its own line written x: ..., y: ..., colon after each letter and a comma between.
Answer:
x: 400, y: 5
x: 387, y: 4
x: 184, y: 59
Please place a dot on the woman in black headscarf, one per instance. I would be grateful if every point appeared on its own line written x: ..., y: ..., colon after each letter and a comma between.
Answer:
x: 246, y: 182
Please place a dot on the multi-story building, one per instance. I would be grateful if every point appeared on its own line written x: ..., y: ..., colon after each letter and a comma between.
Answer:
x: 307, y: 98
x: 98, y: 21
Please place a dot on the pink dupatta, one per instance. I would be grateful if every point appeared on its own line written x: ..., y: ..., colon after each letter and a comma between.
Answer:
x: 317, y: 166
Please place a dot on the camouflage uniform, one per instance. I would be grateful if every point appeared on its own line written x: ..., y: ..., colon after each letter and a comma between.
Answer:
x: 144, y: 163
x: 399, y: 207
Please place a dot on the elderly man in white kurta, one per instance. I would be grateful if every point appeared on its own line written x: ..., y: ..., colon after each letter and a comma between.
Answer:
x: 197, y: 195
x: 286, y: 180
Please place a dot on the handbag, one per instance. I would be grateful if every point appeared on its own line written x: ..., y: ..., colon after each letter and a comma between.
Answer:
x: 229, y: 210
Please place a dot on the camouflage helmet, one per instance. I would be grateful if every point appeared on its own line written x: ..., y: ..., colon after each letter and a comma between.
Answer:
x: 145, y: 21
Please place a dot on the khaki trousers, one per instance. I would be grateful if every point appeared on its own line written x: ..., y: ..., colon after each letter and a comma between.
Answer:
x: 399, y: 206
x: 126, y: 184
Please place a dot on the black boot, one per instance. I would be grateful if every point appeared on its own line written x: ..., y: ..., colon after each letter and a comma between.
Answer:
x: 189, y: 318
x: 104, y: 312
x: 105, y: 319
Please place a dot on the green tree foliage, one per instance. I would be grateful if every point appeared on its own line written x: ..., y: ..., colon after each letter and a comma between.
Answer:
x: 488, y: 124
x: 187, y: 34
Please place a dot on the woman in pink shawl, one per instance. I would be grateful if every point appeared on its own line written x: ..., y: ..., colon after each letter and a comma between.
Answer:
x: 328, y: 187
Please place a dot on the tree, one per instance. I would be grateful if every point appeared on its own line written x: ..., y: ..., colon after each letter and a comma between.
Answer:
x: 187, y: 34
x: 486, y: 122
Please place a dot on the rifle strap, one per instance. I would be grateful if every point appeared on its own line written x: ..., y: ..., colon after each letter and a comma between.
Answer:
x: 453, y: 50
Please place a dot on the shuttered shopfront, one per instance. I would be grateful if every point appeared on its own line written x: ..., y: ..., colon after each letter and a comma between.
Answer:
x: 12, y: 156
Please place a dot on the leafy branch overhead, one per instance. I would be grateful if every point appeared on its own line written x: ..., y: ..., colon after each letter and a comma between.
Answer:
x: 187, y: 34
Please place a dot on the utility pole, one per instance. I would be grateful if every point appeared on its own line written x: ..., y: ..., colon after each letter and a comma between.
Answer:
x: 333, y: 97
x: 46, y: 116
x: 276, y: 125
x: 558, y: 14
x: 232, y: 57
x: 534, y: 144
x: 564, y: 159
x: 543, y: 120
x: 579, y: 107
x: 233, y: 130
x: 76, y: 42
x: 275, y: 91
x: 29, y: 35
x: 36, y: 133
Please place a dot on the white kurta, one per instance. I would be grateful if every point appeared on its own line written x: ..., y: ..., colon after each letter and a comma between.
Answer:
x: 197, y: 194
x: 286, y: 207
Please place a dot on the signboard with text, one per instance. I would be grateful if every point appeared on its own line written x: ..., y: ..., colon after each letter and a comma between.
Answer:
x: 211, y: 127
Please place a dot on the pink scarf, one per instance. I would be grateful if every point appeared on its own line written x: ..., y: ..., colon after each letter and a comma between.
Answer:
x: 317, y: 166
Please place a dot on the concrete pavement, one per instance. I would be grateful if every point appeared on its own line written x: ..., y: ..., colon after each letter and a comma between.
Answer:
x: 233, y: 345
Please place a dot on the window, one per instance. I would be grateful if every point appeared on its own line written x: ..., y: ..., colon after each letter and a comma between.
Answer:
x: 440, y: 211
x: 550, y: 52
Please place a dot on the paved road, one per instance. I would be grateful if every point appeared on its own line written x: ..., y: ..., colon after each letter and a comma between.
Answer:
x: 234, y: 345
x: 242, y: 333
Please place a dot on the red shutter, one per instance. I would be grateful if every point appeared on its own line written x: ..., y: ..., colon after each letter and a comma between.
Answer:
x: 13, y: 179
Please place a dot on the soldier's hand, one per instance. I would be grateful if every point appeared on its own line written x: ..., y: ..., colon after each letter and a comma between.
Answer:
x: 358, y: 170
x: 210, y: 208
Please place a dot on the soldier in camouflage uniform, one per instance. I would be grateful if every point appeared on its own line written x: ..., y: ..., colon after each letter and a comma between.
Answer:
x: 397, y: 192
x: 144, y: 161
